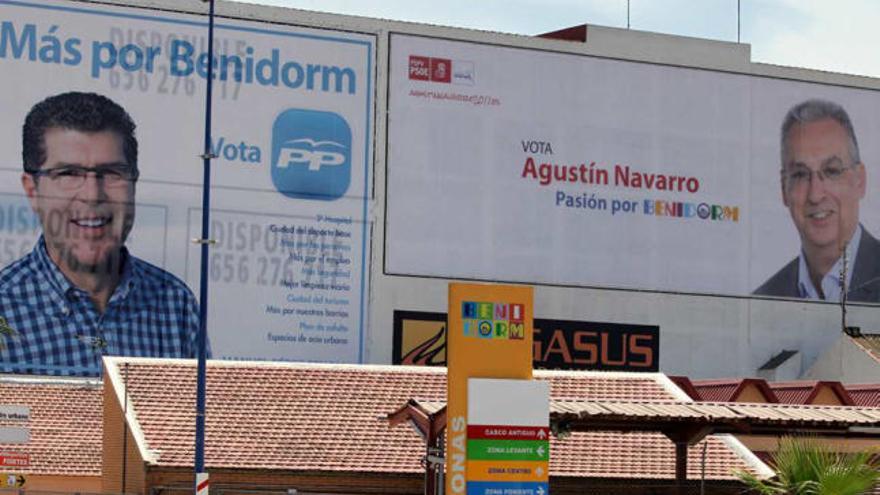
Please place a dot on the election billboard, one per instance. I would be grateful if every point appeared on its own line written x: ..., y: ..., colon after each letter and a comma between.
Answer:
x: 101, y: 193
x: 571, y: 170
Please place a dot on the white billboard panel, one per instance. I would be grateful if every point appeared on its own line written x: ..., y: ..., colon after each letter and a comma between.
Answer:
x: 540, y: 167
x: 292, y: 130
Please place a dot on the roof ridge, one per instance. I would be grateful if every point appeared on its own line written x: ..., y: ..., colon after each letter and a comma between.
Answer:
x: 72, y: 381
x: 225, y: 363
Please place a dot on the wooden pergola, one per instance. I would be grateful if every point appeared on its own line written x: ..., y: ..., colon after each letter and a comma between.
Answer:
x: 684, y: 423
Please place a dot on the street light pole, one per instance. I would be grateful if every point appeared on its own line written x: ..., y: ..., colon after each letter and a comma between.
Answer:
x: 843, y: 289
x: 204, y: 244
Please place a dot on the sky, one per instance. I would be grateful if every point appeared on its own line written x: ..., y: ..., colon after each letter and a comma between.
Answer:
x: 832, y: 35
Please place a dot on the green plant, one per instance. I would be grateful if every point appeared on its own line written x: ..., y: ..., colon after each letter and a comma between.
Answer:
x: 5, y: 331
x: 806, y: 467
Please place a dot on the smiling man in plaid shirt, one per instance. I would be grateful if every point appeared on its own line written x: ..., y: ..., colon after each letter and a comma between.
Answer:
x: 80, y: 295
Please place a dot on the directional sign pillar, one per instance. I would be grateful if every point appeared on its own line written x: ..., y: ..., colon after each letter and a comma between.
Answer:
x: 490, y: 337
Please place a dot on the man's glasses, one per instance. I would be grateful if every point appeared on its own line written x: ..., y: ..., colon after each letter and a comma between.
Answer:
x: 73, y: 177
x: 799, y: 176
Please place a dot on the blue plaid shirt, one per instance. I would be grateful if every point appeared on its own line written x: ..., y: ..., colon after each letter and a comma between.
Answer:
x: 59, y: 331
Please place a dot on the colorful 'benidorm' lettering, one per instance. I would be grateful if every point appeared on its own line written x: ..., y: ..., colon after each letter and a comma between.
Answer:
x: 487, y: 320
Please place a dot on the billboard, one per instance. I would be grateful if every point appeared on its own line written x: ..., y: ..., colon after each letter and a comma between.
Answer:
x: 96, y: 235
x: 577, y: 171
x: 420, y: 339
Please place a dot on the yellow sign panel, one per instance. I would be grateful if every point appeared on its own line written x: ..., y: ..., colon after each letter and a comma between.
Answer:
x: 489, y: 336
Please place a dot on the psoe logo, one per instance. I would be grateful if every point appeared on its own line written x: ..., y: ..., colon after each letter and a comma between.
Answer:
x: 419, y: 68
x: 441, y: 70
x: 311, y: 154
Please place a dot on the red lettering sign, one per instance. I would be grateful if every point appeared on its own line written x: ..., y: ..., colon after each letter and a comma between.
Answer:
x: 15, y: 460
x: 493, y: 432
x: 419, y: 68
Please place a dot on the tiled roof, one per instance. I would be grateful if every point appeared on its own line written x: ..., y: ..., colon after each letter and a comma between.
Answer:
x: 720, y: 413
x: 717, y: 390
x: 65, y: 424
x: 332, y: 418
x: 794, y: 393
x: 804, y: 392
x: 867, y: 395
x: 730, y: 390
x: 642, y: 455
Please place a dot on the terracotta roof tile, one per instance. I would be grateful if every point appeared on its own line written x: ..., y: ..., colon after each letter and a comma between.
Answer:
x: 65, y: 424
x: 333, y: 418
x: 718, y: 392
x: 794, y: 392
x: 804, y: 392
x: 720, y: 414
x: 865, y: 395
x: 731, y: 389
x: 637, y: 455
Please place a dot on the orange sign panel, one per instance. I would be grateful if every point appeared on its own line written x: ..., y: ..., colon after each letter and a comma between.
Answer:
x: 489, y: 336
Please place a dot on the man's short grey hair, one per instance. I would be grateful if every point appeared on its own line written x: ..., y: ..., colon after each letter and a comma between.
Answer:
x: 812, y: 111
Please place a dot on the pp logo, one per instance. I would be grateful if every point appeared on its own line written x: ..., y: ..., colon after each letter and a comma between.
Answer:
x: 311, y: 154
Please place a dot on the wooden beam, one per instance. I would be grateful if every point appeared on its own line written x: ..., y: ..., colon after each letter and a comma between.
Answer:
x: 681, y: 466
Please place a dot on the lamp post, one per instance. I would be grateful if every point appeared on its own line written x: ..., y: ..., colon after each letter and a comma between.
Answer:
x: 204, y: 242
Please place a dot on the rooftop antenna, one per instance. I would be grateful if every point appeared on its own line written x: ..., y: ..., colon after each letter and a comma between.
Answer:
x: 627, y: 14
x: 738, y: 20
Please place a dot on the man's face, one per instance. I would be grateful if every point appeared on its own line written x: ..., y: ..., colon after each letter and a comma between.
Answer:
x: 825, y: 211
x: 83, y: 226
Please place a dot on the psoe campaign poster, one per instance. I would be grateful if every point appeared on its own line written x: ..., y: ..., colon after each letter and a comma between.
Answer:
x: 100, y: 198
x: 566, y: 169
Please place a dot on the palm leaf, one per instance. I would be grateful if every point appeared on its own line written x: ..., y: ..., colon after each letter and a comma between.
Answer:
x: 5, y: 331
x: 806, y: 467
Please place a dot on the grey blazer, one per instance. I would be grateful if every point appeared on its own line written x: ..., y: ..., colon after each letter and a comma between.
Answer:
x: 863, y: 287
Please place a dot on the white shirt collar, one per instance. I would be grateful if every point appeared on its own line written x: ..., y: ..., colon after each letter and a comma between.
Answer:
x: 830, y: 281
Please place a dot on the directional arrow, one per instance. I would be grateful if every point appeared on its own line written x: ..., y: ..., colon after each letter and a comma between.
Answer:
x: 539, y: 471
x: 540, y: 490
x: 541, y: 434
x: 14, y: 480
x: 540, y: 451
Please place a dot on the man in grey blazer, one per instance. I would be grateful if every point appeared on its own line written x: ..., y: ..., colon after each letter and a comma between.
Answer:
x: 823, y: 180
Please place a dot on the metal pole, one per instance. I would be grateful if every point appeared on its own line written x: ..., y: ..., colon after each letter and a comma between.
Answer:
x: 738, y: 22
x: 203, y: 282
x: 843, y: 289
x: 627, y: 14
x: 703, y: 468
x: 124, y: 424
